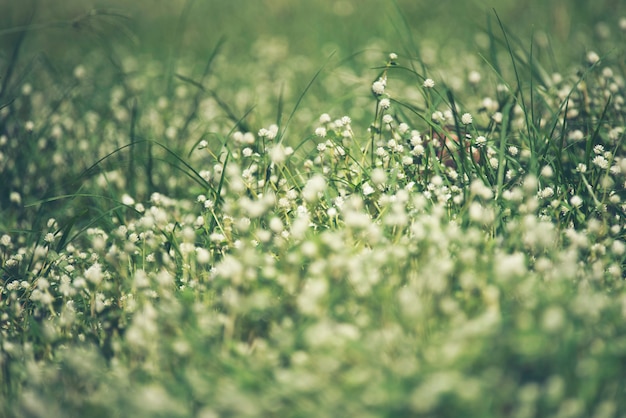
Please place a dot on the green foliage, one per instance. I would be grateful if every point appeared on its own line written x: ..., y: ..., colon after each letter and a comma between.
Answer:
x: 301, y: 218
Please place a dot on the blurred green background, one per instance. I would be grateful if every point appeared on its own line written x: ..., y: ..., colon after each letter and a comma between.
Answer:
x: 65, y: 30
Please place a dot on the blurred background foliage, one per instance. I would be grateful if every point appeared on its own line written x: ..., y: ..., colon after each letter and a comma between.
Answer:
x: 67, y: 29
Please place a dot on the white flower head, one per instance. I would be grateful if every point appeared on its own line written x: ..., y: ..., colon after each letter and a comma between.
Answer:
x: 94, y: 273
x: 576, y: 201
x: 592, y: 57
x: 325, y: 118
x: 466, y: 118
x: 429, y: 83
x: 378, y: 87
x: 278, y: 154
x: 474, y: 77
x: 321, y: 132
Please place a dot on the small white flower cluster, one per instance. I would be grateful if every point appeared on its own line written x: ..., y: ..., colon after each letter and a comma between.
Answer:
x: 378, y: 87
x: 269, y: 133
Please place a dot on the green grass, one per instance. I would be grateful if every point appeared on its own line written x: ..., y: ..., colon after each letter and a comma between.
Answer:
x: 262, y: 209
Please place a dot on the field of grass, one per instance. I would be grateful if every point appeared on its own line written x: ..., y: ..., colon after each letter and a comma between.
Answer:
x: 312, y: 209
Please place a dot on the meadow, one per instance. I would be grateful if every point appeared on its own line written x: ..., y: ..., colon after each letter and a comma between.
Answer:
x: 312, y: 209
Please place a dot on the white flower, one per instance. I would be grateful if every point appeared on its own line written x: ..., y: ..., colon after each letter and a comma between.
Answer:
x: 378, y: 176
x: 547, y: 171
x: 615, y: 133
x: 321, y: 132
x: 277, y: 154
x: 387, y: 119
x: 379, y: 86
x: 576, y: 135
x: 474, y: 77
x: 546, y: 193
x: 466, y: 118
x: 393, y: 56
x: 314, y: 186
x: 600, y: 161
x: 367, y: 189
x: 202, y: 255
x: 481, y: 141
x: 5, y: 240
x: 325, y: 118
x: 127, y: 200
x: 385, y: 103
x: 437, y: 116
x: 79, y: 72
x: 429, y: 83
x: 94, y: 273
x: 592, y: 57
x: 418, y: 150
x: 272, y: 131
x: 576, y: 201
